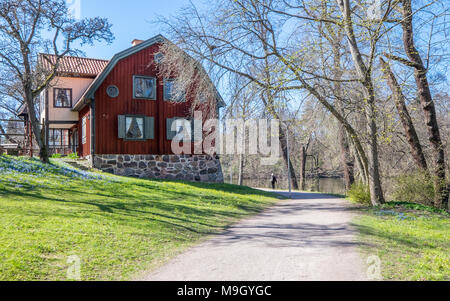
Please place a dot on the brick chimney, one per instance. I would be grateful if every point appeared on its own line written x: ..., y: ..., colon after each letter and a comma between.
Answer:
x: 136, y: 42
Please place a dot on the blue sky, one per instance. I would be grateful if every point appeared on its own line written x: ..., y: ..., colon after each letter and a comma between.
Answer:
x: 131, y: 19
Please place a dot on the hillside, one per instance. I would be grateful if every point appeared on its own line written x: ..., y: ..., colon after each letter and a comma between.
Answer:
x: 116, y: 226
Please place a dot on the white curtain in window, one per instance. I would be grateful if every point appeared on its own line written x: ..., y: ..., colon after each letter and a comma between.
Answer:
x: 134, y: 127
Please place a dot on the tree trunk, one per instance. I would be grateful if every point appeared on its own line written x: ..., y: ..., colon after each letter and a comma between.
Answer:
x: 316, y: 174
x: 347, y: 160
x: 362, y: 176
x: 284, y: 149
x: 35, y: 125
x: 27, y: 85
x: 303, y: 156
x: 241, y: 169
x: 405, y: 118
x: 427, y: 103
x: 376, y: 191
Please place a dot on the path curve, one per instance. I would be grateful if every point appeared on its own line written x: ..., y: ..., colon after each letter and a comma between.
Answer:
x: 309, y: 237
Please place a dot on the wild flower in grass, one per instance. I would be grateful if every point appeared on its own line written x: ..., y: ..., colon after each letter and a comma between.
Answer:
x: 386, y: 213
x: 400, y: 215
x: 9, y: 165
x: 403, y: 217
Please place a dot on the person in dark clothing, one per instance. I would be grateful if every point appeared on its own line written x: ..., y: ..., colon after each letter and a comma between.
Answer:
x: 274, y: 181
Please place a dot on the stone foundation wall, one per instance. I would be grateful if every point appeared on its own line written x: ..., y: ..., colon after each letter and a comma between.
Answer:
x: 200, y: 168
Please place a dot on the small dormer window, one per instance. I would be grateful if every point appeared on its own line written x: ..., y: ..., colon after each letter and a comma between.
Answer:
x: 169, y: 92
x: 144, y: 87
x: 62, y: 98
x: 159, y: 57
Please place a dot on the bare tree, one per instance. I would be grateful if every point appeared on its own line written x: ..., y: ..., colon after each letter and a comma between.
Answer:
x: 405, y: 118
x: 241, y: 38
x: 244, y: 106
x: 326, y: 49
x: 364, y: 70
x: 334, y: 36
x: 415, y: 61
x: 23, y: 25
x: 214, y: 50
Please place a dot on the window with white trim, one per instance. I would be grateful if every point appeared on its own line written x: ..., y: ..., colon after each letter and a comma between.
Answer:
x: 136, y: 127
x: 83, y: 130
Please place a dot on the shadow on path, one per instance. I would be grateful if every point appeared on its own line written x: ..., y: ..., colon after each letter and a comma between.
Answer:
x: 307, y: 237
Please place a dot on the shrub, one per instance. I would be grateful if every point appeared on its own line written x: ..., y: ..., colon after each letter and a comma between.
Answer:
x: 359, y: 193
x: 414, y: 188
x: 73, y: 156
x: 56, y: 156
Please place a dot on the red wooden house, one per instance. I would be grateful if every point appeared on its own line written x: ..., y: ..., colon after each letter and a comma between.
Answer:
x: 118, y: 114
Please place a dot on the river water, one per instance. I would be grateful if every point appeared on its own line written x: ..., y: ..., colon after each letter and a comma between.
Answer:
x: 324, y: 185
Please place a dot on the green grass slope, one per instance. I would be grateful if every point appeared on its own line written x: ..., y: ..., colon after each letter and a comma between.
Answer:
x: 412, y: 241
x: 116, y: 226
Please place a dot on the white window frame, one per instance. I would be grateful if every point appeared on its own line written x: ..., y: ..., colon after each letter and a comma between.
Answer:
x: 84, y: 130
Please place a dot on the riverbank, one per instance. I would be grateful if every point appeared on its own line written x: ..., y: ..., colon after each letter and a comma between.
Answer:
x: 324, y: 185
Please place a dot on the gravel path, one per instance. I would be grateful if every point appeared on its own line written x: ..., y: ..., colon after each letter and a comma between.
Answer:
x: 308, y: 237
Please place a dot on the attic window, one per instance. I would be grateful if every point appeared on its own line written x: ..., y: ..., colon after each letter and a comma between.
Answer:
x: 169, y: 92
x: 62, y: 98
x: 144, y: 87
x: 158, y: 57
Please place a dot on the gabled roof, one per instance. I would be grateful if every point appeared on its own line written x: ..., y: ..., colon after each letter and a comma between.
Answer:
x: 88, y: 95
x: 73, y: 66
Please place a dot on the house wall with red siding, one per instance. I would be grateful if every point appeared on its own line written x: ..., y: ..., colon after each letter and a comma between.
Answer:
x: 84, y: 149
x: 107, y: 109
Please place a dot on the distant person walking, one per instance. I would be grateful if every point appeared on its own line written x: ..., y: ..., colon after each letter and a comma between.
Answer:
x: 274, y: 181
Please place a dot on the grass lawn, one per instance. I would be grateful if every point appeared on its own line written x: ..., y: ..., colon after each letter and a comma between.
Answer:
x: 412, y: 241
x: 117, y: 226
